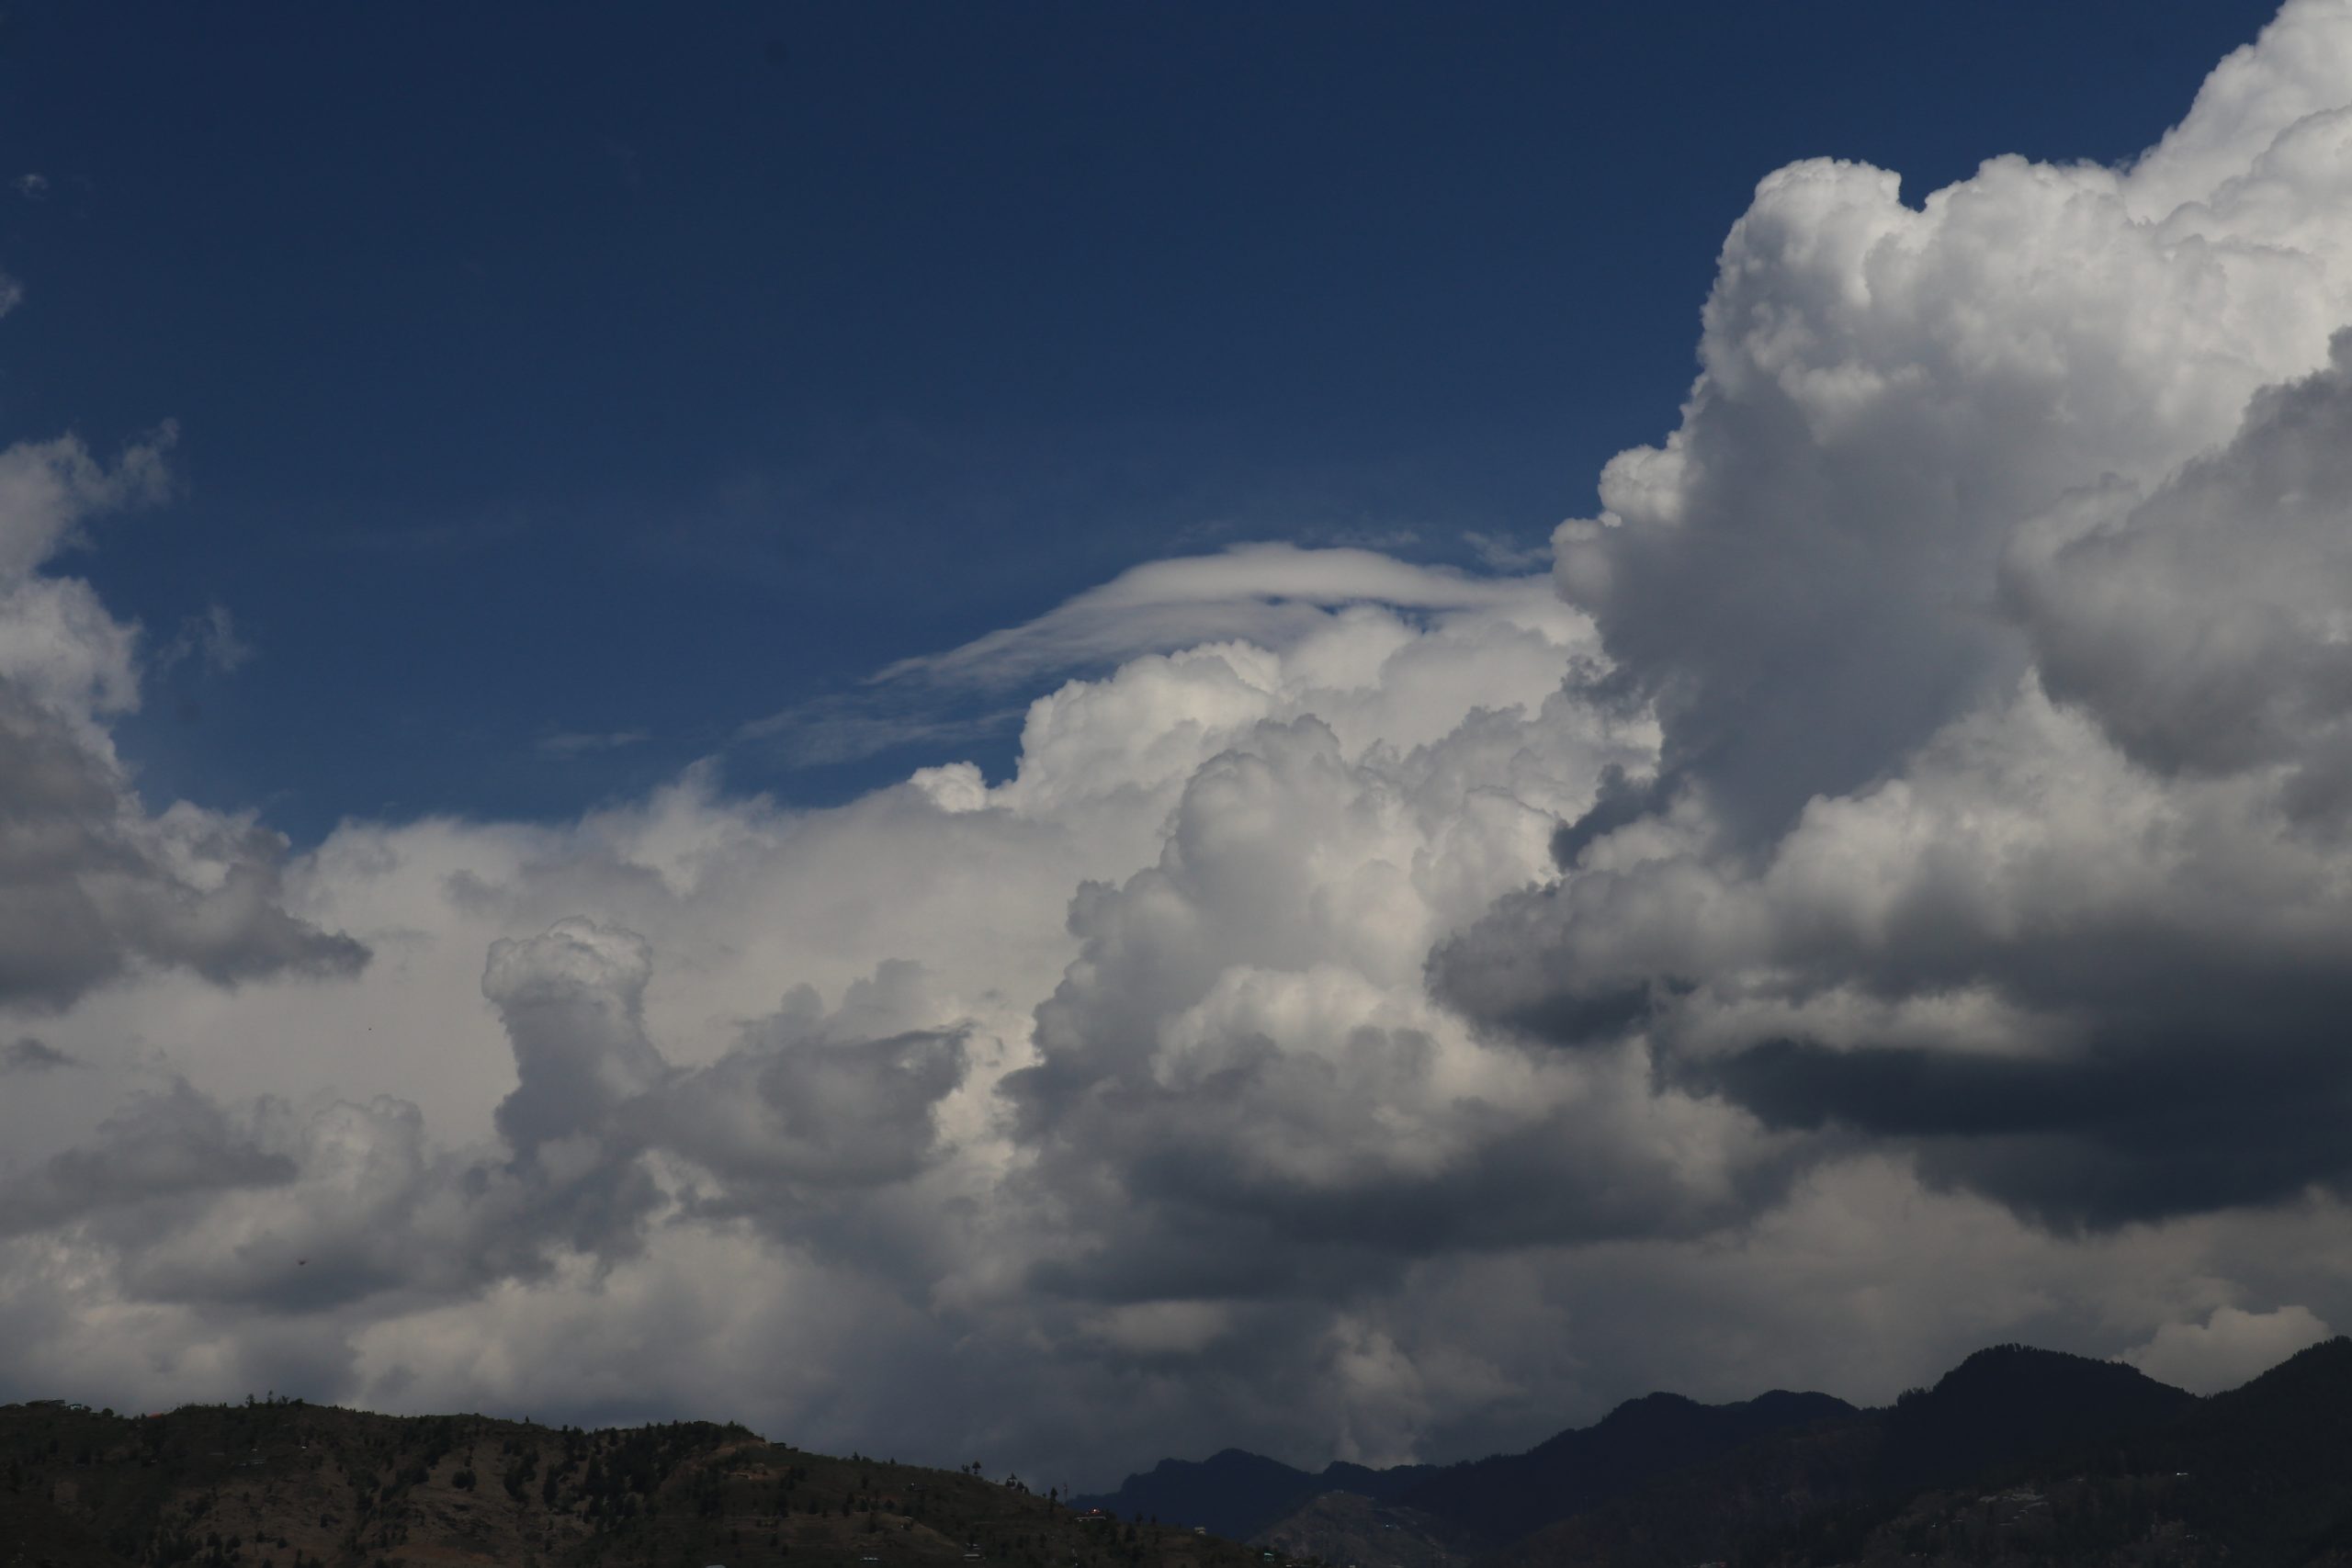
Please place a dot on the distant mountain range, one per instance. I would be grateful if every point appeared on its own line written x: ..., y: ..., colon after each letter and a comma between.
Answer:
x: 1244, y: 1494
x: 2017, y: 1455
x: 1237, y: 1493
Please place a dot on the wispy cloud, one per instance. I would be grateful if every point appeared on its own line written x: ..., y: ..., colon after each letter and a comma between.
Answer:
x: 850, y: 726
x: 1268, y: 593
x: 568, y: 743
x: 29, y: 1055
x: 212, y: 638
x: 1507, y: 555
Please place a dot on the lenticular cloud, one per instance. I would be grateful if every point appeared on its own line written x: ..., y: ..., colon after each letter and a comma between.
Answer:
x: 1889, y: 887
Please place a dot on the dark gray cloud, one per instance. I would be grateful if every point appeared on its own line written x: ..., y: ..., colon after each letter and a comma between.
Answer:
x: 90, y: 887
x: 175, y: 1146
x: 2115, y: 1034
x: 1225, y: 1109
x: 2203, y: 624
x: 803, y: 1101
x: 798, y: 1112
x: 2136, y: 1128
x: 28, y: 1054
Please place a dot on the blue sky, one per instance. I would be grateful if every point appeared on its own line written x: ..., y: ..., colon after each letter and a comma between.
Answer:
x: 577, y: 370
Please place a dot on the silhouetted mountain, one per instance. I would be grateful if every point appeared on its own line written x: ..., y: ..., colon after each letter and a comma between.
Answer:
x: 1706, y: 1513
x: 1235, y: 1493
x: 2008, y: 1405
x: 1498, y: 1499
x: 2267, y: 1468
x: 2015, y: 1457
x: 1462, y: 1508
x: 1785, y: 1479
x: 2259, y: 1476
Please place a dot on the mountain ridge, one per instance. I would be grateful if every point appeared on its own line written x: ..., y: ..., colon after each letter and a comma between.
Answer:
x: 2015, y: 1457
x: 1237, y: 1493
x: 1244, y: 1494
x: 1664, y: 1468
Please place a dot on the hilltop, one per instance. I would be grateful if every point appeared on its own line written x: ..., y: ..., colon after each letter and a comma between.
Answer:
x: 284, y: 1484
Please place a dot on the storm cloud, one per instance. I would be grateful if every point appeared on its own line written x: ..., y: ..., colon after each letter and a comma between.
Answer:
x: 1999, y: 813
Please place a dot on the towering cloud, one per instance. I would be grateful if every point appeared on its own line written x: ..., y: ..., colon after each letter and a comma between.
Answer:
x: 1989, y: 596
x: 1886, y: 888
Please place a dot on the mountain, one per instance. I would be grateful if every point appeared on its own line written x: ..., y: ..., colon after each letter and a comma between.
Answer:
x: 2265, y: 1469
x: 1424, y: 1516
x: 2269, y: 1463
x: 1664, y: 1481
x: 1347, y: 1528
x: 2008, y: 1404
x: 284, y: 1484
x: 34, y: 1529
x: 1706, y: 1514
x: 1821, y: 1494
x: 2015, y: 1457
x: 1498, y: 1499
x: 1237, y: 1493
x: 2260, y: 1477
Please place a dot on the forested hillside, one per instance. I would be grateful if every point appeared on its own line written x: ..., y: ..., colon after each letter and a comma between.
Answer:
x: 281, y: 1484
